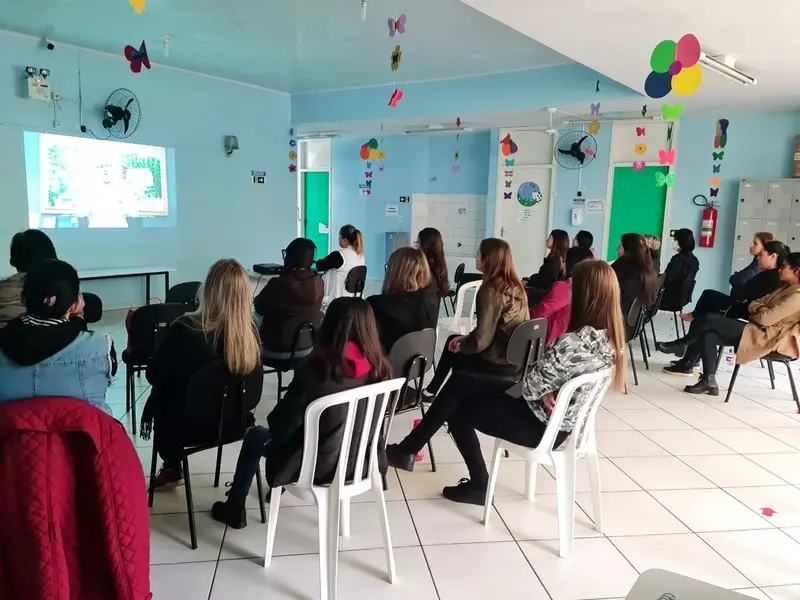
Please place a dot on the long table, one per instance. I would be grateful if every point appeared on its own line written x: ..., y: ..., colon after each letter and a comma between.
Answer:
x: 126, y: 272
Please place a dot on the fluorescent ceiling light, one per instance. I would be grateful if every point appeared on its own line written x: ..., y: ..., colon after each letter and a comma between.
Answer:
x: 438, y: 130
x: 726, y: 66
x: 322, y: 135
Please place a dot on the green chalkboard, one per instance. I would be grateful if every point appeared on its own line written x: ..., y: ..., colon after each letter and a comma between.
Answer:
x: 637, y: 205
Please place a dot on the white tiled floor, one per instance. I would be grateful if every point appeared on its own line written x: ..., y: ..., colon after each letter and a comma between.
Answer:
x: 685, y: 480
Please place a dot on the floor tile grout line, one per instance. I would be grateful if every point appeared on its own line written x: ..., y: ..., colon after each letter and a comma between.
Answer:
x: 216, y: 562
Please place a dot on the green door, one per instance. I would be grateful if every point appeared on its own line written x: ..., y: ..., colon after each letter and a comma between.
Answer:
x: 637, y: 205
x: 316, y: 190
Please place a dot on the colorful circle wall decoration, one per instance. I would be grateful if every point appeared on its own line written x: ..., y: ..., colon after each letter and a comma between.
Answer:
x: 529, y: 194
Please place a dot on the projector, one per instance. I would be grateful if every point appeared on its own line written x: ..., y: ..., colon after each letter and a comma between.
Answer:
x: 268, y: 268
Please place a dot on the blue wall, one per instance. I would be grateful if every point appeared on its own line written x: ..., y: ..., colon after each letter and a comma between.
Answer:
x: 760, y: 146
x: 221, y: 213
x: 414, y: 164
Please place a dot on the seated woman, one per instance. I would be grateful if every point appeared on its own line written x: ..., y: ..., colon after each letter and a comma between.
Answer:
x: 635, y: 273
x: 295, y: 294
x: 500, y: 307
x: 555, y: 305
x: 430, y: 242
x: 766, y: 281
x: 773, y: 326
x: 338, y: 264
x: 584, y: 239
x: 47, y: 351
x: 223, y: 329
x: 347, y: 356
x: 756, y: 246
x: 553, y: 267
x: 681, y: 272
x: 27, y: 248
x: 596, y: 341
x: 653, y: 247
x: 408, y: 302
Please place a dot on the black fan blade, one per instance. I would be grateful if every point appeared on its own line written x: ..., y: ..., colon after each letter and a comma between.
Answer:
x: 115, y: 112
x: 583, y: 139
x: 128, y: 105
x: 126, y: 119
x: 567, y: 152
x: 575, y: 149
x: 581, y: 156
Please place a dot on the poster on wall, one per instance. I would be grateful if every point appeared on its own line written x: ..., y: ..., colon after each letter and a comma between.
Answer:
x: 524, y: 214
x: 595, y: 205
x: 529, y: 194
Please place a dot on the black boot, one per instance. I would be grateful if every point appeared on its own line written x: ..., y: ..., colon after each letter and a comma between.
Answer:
x: 399, y: 459
x: 677, y: 348
x: 233, y: 515
x: 685, y: 366
x: 706, y: 385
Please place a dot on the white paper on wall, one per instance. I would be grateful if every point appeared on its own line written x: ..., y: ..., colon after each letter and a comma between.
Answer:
x: 595, y: 205
x: 524, y: 214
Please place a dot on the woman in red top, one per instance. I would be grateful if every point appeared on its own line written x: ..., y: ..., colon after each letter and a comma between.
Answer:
x: 555, y: 304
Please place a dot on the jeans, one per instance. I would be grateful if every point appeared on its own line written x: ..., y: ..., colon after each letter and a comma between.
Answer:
x: 247, y: 466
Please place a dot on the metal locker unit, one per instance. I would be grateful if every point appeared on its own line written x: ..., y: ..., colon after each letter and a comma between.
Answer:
x: 393, y: 241
x: 772, y: 206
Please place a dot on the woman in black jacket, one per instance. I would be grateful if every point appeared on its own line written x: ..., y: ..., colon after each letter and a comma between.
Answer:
x: 635, y: 273
x: 681, y: 272
x: 295, y: 294
x: 348, y: 356
x: 410, y: 299
x: 554, y: 266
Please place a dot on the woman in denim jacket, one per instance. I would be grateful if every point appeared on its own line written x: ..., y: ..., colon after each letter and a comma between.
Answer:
x: 47, y: 351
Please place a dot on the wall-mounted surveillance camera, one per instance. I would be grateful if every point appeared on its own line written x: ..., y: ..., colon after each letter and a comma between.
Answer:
x: 49, y: 45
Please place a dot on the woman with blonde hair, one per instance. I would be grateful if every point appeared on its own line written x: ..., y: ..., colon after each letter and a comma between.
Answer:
x: 408, y: 301
x: 653, y: 244
x: 338, y: 264
x: 223, y: 329
x: 595, y: 340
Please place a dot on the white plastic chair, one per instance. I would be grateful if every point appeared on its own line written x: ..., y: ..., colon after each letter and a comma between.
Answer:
x: 581, y: 444
x: 333, y: 501
x: 456, y: 322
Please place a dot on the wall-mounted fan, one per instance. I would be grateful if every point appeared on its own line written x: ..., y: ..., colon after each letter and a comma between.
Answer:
x: 575, y: 149
x: 121, y: 114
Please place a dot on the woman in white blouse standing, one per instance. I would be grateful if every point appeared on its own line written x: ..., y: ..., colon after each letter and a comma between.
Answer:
x: 338, y: 264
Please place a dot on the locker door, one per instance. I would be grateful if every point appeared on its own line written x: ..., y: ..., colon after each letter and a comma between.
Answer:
x: 796, y: 202
x: 779, y: 200
x: 741, y: 261
x: 752, y: 195
x: 780, y: 229
x: 745, y: 231
x: 793, y: 240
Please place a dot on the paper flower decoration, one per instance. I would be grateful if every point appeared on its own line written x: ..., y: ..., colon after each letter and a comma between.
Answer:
x: 292, y: 155
x: 640, y: 148
x: 593, y: 127
x: 397, y: 95
x: 675, y: 68
x: 137, y: 58
x: 665, y: 180
x: 138, y: 6
x: 397, y: 56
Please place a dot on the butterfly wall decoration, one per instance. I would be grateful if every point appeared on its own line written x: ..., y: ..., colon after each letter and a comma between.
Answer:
x: 675, y: 68
x: 639, y: 166
x: 508, y: 184
x: 397, y: 56
x: 595, y: 108
x: 665, y: 180
x: 715, y: 181
x: 640, y: 131
x: 713, y: 192
x: 456, y: 168
x: 671, y: 112
x: 368, y: 174
x: 137, y: 58
x: 397, y: 26
x: 510, y: 162
x: 507, y: 195
x: 718, y: 155
x: 292, y: 169
x: 715, y: 168
x: 397, y: 95
x: 666, y: 157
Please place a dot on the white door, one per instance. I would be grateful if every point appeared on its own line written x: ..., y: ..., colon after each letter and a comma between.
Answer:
x: 523, y: 216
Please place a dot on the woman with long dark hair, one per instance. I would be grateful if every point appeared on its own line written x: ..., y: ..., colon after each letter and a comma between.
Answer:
x: 634, y: 268
x: 595, y: 340
x: 430, y: 242
x: 553, y: 267
x: 348, y: 355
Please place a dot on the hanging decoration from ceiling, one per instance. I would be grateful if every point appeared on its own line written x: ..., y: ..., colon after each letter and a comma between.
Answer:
x: 595, y: 108
x: 666, y: 157
x: 671, y: 113
x: 397, y: 56
x: 675, y: 68
x: 663, y: 179
x: 593, y: 127
x: 639, y: 165
x: 457, y: 152
x: 640, y: 148
x: 398, y: 26
x: 508, y: 146
x: 644, y: 110
x: 720, y: 141
x: 137, y: 58
x: 292, y: 152
x: 138, y: 6
x: 369, y: 151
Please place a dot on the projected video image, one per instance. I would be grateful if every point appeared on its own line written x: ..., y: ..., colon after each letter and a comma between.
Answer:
x: 77, y: 182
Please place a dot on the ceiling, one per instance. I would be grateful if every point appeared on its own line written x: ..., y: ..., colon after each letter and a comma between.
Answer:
x: 613, y: 38
x: 291, y: 45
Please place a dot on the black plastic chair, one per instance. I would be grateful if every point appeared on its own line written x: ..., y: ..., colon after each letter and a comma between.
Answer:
x: 148, y: 326
x: 93, y: 308
x: 219, y: 404
x: 185, y: 293
x: 411, y: 357
x: 635, y: 323
x: 649, y: 317
x: 356, y: 280
x: 769, y: 359
x: 453, y: 293
x: 299, y: 334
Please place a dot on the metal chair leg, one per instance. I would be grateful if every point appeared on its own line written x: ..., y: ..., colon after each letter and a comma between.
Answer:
x: 653, y: 329
x: 771, y: 374
x: 644, y: 354
x: 189, y: 501
x: 219, y: 466
x: 683, y: 327
x: 633, y: 365
x: 675, y: 316
x: 646, y: 341
x: 150, y: 487
x: 719, y: 358
x: 133, y: 407
x: 280, y: 384
x: 794, y: 388
x: 430, y: 445
x: 733, y: 380
x: 260, y: 487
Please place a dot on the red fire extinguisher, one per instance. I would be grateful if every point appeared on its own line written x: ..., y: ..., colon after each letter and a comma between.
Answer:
x: 708, y: 228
